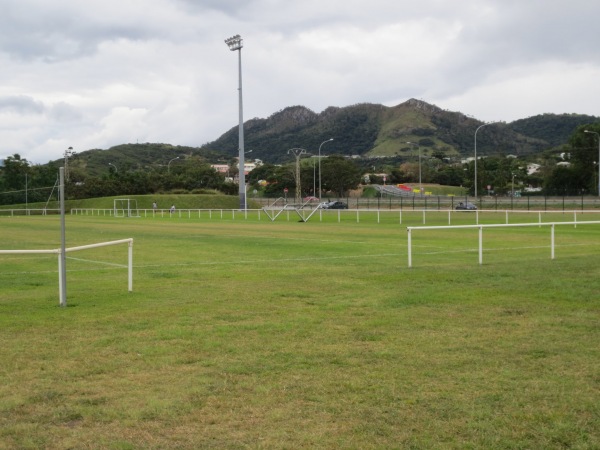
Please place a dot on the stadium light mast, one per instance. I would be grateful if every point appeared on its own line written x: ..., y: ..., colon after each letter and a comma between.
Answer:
x: 475, y: 178
x: 235, y: 44
x: 68, y: 153
x: 598, y: 135
x: 328, y: 140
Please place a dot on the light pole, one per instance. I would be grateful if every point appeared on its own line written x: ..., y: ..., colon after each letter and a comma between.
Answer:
x: 420, y: 184
x: 328, y: 140
x: 598, y: 135
x: 475, y: 179
x: 235, y: 43
x: 111, y: 164
x: 297, y: 152
x: 169, y: 164
x: 68, y: 152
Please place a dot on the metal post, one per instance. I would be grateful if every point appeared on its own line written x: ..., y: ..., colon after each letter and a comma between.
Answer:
x: 62, y: 255
x: 480, y: 245
x: 130, y: 266
x: 552, y: 242
x: 235, y: 43
x: 409, y: 247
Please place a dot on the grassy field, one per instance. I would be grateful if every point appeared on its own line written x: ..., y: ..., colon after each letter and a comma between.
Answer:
x: 259, y: 334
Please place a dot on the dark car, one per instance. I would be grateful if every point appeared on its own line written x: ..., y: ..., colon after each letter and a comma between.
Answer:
x: 335, y: 205
x: 466, y: 207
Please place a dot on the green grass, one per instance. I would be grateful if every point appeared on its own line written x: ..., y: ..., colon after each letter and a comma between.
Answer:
x: 247, y: 333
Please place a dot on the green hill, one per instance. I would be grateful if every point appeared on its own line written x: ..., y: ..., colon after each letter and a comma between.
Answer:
x: 367, y: 130
x: 377, y: 131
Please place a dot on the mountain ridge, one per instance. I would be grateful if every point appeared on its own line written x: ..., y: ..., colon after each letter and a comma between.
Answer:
x: 365, y: 129
x: 374, y: 130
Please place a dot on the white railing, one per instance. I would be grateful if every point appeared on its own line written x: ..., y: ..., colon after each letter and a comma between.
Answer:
x: 481, y: 227
x: 400, y: 216
x: 28, y: 212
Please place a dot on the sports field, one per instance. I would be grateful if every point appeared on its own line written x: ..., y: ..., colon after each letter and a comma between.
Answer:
x: 245, y: 333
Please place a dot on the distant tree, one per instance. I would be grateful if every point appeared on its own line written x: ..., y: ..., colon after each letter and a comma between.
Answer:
x: 450, y: 176
x: 13, y: 172
x: 584, y: 157
x: 562, y: 181
x: 339, y: 175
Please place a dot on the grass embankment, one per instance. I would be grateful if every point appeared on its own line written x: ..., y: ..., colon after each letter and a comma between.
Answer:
x: 164, y: 201
x: 291, y: 335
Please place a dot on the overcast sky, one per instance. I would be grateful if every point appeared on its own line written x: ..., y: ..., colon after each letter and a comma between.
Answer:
x: 97, y: 73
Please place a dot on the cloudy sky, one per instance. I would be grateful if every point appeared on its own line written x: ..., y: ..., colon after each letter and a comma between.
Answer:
x: 97, y: 73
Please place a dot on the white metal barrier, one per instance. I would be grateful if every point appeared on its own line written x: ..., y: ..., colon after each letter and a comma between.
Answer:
x: 500, y: 225
x: 58, y: 252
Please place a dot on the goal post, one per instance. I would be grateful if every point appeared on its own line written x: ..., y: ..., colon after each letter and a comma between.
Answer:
x: 125, y: 207
x: 62, y: 282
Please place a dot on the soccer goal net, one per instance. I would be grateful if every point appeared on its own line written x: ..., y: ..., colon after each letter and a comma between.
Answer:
x: 126, y: 207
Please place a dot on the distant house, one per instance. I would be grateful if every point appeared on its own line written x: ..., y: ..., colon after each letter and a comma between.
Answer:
x: 248, y: 166
x: 563, y: 164
x: 532, y: 168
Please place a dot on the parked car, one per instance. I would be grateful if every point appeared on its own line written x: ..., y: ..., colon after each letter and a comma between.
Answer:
x: 335, y: 205
x: 466, y: 207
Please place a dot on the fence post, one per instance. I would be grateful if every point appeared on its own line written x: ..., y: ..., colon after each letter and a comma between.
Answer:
x: 409, y: 247
x: 552, y: 242
x: 130, y: 266
x: 480, y: 245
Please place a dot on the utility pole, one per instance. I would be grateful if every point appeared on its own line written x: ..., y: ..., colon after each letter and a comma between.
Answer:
x: 297, y: 152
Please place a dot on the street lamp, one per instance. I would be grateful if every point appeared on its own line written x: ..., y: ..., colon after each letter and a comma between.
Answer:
x: 478, y: 128
x: 235, y: 43
x: 419, y: 147
x: 597, y: 134
x: 169, y: 164
x: 328, y: 140
x: 111, y: 164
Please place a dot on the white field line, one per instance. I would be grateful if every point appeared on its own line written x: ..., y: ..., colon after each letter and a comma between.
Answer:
x: 123, y: 266
x: 283, y: 260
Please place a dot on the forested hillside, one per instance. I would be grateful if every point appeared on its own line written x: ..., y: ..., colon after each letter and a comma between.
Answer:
x: 555, y: 129
x: 377, y: 130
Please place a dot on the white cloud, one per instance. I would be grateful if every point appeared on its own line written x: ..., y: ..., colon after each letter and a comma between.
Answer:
x: 98, y: 73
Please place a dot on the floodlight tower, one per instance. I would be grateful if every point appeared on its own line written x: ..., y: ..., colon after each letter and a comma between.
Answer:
x: 235, y: 43
x: 68, y: 152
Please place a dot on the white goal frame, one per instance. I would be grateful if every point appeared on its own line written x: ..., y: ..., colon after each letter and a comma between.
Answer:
x: 552, y: 225
x: 125, y: 207
x: 61, y: 273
